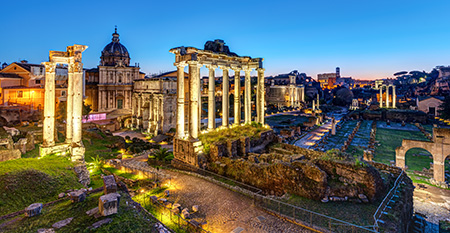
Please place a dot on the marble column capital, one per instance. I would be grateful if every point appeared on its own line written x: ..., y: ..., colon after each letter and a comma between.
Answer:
x: 260, y: 69
x: 180, y: 64
x: 49, y: 66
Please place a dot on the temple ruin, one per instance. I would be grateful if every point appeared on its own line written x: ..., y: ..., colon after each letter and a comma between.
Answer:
x: 73, y: 143
x: 394, y: 96
x: 215, y: 55
x: 439, y: 148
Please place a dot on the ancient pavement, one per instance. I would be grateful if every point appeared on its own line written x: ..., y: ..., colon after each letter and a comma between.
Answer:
x: 434, y: 203
x: 224, y: 210
x: 314, y: 136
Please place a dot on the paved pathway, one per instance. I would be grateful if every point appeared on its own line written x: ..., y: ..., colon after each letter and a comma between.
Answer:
x: 434, y: 203
x: 314, y: 136
x: 225, y: 210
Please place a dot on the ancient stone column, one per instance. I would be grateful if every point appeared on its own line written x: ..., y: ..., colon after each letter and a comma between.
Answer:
x: 313, y: 105
x: 194, y: 84
x: 261, y: 100
x: 180, y: 100
x: 248, y: 97
x: 77, y: 104
x: 139, y: 112
x: 150, y: 118
x: 237, y: 97
x: 394, y: 97
x: 225, y: 97
x: 333, y: 126
x: 69, y: 107
x: 381, y: 96
x: 318, y: 102
x: 211, y: 98
x: 387, y: 96
x: 200, y: 86
x: 49, y: 105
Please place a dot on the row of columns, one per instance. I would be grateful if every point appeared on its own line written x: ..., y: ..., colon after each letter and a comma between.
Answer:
x: 108, y: 99
x: 394, y: 96
x: 194, y: 106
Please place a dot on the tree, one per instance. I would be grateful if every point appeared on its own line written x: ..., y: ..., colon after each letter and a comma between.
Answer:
x: 444, y: 108
x: 61, y: 111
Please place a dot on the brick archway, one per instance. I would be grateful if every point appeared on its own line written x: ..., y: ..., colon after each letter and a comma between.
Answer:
x: 438, y: 148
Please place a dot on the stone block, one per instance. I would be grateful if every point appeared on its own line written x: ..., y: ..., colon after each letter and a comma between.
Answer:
x: 77, y: 196
x: 185, y: 213
x: 62, y: 223
x: 154, y: 199
x: 100, y: 223
x: 195, y: 208
x: 237, y: 230
x: 46, y: 230
x: 109, y: 204
x: 92, y: 211
x: 33, y: 209
x: 109, y: 184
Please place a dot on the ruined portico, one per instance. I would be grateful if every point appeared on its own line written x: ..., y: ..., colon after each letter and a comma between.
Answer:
x: 215, y: 55
x: 387, y: 97
x: 439, y: 149
x: 73, y: 143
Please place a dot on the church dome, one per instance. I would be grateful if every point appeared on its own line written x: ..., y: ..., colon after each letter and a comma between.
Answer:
x: 115, y: 53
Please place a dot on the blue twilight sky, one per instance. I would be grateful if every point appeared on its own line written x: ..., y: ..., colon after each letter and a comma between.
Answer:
x: 367, y: 39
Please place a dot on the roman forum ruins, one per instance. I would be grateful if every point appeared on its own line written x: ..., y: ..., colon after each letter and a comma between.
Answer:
x: 215, y: 55
x: 394, y: 96
x: 73, y: 143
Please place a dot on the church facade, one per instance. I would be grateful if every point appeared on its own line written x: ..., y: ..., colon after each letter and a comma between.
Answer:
x: 109, y: 87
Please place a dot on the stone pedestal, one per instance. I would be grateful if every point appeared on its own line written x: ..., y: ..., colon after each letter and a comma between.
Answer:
x: 33, y: 209
x: 77, y: 196
x: 109, y: 204
x: 109, y: 184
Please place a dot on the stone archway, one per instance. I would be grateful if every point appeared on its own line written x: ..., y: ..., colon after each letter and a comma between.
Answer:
x: 438, y: 148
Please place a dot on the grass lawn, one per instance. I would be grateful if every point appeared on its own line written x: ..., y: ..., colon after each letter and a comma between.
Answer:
x: 390, y: 139
x: 127, y: 220
x: 359, y: 214
x: 30, y: 180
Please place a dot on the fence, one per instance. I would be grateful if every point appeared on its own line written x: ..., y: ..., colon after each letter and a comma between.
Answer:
x: 297, y: 214
x: 137, y: 170
x: 382, y: 207
x: 172, y: 219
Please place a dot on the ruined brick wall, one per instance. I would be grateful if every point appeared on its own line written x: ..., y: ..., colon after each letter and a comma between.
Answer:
x: 183, y: 150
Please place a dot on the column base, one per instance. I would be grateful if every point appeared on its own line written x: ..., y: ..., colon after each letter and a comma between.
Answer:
x: 77, y: 153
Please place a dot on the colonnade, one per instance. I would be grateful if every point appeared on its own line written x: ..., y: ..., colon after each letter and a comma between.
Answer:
x: 74, y: 102
x: 194, y: 99
x: 148, y: 111
x: 394, y: 96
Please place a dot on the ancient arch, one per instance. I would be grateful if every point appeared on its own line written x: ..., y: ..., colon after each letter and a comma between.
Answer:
x: 438, y: 148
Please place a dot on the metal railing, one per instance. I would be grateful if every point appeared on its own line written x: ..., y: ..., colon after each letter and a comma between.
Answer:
x: 297, y: 214
x: 382, y: 207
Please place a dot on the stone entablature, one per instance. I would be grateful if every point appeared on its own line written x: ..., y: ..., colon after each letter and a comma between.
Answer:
x: 215, y: 55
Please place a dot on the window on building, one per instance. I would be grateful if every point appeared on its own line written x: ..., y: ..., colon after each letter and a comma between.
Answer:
x: 38, y: 81
x: 119, y: 103
x: 19, y: 94
x: 63, y: 93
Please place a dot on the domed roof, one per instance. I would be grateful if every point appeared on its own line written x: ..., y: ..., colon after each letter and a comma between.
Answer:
x: 115, y: 50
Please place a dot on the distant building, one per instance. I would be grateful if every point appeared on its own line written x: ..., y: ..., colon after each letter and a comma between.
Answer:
x: 22, y: 83
x: 327, y: 80
x: 291, y: 95
x: 429, y: 104
x: 154, y: 103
